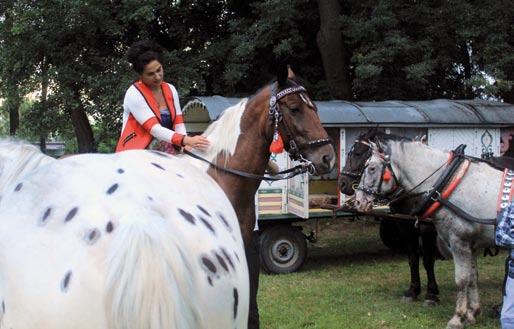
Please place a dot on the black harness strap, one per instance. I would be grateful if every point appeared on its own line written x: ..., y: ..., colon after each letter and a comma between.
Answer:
x: 442, y: 181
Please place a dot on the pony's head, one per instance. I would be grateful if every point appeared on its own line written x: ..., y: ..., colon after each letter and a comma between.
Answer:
x: 355, y: 160
x: 294, y: 116
x: 378, y: 179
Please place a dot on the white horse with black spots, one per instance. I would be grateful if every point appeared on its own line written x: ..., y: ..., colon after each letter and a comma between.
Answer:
x: 134, y: 240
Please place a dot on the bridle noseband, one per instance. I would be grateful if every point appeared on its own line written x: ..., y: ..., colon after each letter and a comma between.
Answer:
x: 377, y: 193
x: 276, y: 116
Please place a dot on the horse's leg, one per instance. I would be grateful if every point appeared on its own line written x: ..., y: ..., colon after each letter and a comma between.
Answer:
x: 254, y: 265
x: 462, y: 258
x: 474, y: 298
x: 410, y: 235
x: 429, y: 237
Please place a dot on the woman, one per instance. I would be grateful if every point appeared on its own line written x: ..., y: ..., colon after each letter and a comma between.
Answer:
x: 152, y: 117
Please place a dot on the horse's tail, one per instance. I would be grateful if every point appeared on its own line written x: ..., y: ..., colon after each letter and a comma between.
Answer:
x: 147, y: 281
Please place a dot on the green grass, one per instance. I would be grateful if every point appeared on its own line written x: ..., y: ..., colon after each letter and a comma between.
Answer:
x: 351, y: 280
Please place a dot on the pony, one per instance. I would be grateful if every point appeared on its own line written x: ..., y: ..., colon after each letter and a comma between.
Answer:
x: 131, y: 240
x: 403, y: 236
x: 241, y: 139
x: 413, y: 166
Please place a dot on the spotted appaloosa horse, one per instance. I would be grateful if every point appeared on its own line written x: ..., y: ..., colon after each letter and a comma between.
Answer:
x: 240, y: 140
x: 131, y: 240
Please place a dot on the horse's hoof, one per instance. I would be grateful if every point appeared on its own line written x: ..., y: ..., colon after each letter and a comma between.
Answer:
x: 430, y: 303
x: 455, y: 323
x: 471, y: 315
x: 408, y: 299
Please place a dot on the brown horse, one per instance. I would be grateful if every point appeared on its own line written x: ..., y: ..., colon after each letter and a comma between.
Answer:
x: 241, y: 138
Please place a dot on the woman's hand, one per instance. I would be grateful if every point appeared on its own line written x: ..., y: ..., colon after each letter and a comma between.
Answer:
x: 197, y: 142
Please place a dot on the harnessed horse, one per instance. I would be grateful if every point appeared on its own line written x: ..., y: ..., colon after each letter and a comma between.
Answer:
x: 467, y: 198
x: 403, y: 236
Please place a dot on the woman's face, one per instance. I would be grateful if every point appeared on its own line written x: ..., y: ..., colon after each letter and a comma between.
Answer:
x: 152, y: 74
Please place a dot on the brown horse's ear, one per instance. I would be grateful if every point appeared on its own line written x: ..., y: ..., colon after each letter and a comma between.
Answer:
x: 282, y: 74
x: 290, y: 73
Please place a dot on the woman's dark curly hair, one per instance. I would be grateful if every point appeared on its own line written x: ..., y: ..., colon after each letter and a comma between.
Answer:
x: 143, y: 52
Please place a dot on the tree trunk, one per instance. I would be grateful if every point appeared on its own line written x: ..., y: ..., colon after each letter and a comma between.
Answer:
x: 330, y: 44
x: 43, y: 134
x: 13, y: 103
x: 83, y: 131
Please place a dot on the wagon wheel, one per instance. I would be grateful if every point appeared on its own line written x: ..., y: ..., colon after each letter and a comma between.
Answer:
x: 283, y: 249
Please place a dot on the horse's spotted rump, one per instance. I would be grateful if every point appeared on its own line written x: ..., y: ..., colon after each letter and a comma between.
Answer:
x: 209, y: 264
x: 109, y: 227
x: 236, y: 302
x: 202, y: 209
x: 221, y: 261
x: 224, y: 220
x: 158, y: 166
x: 187, y: 216
x: 179, y: 175
x: 209, y: 279
x: 149, y: 198
x: 92, y: 236
x: 47, y: 213
x: 161, y: 154
x: 66, y: 282
x: 228, y: 258
x: 18, y: 187
x: 207, y: 224
x: 237, y: 257
x: 120, y: 171
x: 3, y: 307
x: 112, y: 189
x: 71, y: 214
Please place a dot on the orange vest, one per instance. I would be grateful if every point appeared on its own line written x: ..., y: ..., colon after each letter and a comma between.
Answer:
x: 136, y: 135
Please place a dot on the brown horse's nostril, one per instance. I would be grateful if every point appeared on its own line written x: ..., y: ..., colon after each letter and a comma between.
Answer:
x: 327, y: 160
x: 342, y: 185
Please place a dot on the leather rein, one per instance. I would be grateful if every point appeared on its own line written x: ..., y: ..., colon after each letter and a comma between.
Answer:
x: 438, y: 195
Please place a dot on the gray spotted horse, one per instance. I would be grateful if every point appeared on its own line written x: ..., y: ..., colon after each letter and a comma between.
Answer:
x: 131, y: 240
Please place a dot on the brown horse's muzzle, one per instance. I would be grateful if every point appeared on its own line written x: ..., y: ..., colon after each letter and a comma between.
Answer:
x: 323, y: 159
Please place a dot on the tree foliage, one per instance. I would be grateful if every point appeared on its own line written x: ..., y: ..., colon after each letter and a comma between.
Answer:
x: 69, y: 55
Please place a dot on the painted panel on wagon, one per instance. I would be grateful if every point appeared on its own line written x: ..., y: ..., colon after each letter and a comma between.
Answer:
x: 298, y: 193
x: 478, y: 140
x: 271, y: 196
x: 342, y: 161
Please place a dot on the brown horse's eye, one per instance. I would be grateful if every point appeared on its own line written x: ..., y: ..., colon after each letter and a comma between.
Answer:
x: 294, y: 110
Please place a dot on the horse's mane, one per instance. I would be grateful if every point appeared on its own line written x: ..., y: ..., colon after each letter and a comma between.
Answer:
x: 18, y: 158
x: 224, y: 132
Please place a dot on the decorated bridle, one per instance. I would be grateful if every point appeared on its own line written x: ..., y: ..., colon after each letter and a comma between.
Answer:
x: 386, y: 175
x: 276, y: 117
x: 357, y: 175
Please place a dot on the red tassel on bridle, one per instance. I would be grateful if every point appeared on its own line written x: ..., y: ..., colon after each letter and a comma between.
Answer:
x: 277, y: 145
x: 387, y: 175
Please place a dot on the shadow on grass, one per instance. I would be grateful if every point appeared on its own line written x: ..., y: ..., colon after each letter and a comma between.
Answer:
x: 316, y: 261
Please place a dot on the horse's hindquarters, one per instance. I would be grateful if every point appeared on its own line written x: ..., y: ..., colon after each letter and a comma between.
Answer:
x: 146, y: 237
